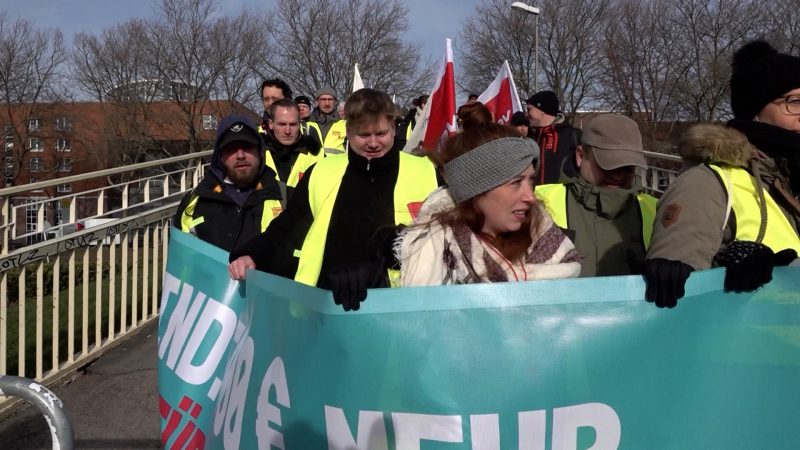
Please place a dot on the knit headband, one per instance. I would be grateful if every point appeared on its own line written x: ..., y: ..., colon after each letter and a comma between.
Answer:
x: 488, y: 166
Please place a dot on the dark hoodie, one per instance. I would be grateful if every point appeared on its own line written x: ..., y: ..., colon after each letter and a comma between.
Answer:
x: 224, y: 213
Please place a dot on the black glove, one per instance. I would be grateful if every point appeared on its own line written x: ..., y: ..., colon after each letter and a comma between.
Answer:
x: 749, y: 264
x: 349, y: 283
x: 380, y: 247
x: 785, y: 257
x: 665, y: 280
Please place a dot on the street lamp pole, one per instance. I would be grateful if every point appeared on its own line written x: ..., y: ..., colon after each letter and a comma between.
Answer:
x: 528, y: 9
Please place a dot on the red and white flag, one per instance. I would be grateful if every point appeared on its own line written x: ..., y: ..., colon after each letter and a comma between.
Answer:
x: 439, y: 115
x: 501, y: 96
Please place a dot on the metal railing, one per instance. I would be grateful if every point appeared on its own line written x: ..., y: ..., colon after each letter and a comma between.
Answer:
x: 62, y: 434
x: 69, y: 291
x: 662, y: 169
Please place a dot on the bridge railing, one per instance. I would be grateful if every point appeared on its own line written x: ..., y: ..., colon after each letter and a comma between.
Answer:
x: 70, y: 290
x: 662, y: 169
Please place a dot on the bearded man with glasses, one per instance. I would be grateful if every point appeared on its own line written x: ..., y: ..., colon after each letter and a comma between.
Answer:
x: 737, y: 205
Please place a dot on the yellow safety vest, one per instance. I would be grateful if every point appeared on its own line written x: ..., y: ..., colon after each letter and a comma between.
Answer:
x: 272, y: 208
x: 415, y: 180
x: 740, y: 187
x: 554, y: 198
x: 301, y: 165
x: 409, y: 130
x: 311, y: 127
x: 333, y: 143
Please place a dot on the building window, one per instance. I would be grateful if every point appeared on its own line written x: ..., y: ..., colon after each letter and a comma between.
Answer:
x: 35, y: 144
x: 8, y: 137
x: 36, y: 165
x: 34, y: 124
x: 65, y: 165
x: 209, y: 122
x: 63, y: 124
x: 62, y: 145
x: 64, y: 188
x: 31, y: 217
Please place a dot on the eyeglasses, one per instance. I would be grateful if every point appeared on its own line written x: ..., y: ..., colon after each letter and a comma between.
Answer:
x: 792, y: 103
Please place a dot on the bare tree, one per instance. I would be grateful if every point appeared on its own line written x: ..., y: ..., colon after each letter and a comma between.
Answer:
x: 569, y: 60
x: 30, y: 64
x: 711, y: 31
x: 245, y: 56
x: 643, y: 67
x: 493, y: 34
x: 783, y: 19
x: 318, y: 42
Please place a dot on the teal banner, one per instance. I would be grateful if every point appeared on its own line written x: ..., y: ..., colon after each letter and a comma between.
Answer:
x: 564, y: 364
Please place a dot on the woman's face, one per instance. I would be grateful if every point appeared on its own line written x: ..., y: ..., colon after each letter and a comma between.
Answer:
x: 505, y: 207
x: 776, y: 113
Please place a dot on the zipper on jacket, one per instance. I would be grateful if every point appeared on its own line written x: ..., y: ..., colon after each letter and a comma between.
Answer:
x: 371, y: 178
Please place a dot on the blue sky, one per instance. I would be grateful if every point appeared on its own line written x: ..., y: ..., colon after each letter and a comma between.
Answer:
x: 431, y: 21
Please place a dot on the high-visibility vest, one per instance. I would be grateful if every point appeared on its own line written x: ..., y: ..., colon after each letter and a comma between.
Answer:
x: 333, y: 142
x: 415, y: 180
x: 300, y: 166
x: 311, y: 128
x: 740, y: 188
x: 554, y: 198
x: 188, y: 223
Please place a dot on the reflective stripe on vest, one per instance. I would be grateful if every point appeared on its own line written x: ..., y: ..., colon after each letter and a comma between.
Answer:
x: 415, y: 180
x: 188, y: 223
x: 554, y: 198
x: 740, y: 187
x: 334, y: 140
x: 300, y: 166
x: 272, y: 208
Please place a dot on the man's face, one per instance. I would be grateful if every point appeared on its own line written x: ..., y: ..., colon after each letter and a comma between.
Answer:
x: 305, y: 110
x: 536, y: 116
x: 620, y: 178
x: 326, y: 103
x: 270, y: 95
x: 285, y: 125
x: 372, y: 139
x: 241, y: 162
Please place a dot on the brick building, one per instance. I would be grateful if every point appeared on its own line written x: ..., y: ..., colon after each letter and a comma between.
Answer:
x: 46, y: 141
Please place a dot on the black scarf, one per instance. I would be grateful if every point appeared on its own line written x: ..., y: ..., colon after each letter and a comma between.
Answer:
x: 780, y: 144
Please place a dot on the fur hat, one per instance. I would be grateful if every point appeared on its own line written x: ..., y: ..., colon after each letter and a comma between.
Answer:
x: 760, y: 75
x: 545, y: 101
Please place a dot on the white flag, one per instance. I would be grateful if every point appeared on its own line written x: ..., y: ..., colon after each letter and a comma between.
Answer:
x: 357, y: 83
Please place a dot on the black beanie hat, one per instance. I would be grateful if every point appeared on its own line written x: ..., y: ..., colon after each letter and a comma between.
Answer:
x: 302, y: 99
x: 760, y: 75
x: 545, y: 101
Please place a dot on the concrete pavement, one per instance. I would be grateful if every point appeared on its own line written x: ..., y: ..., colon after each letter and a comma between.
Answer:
x: 113, y: 402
